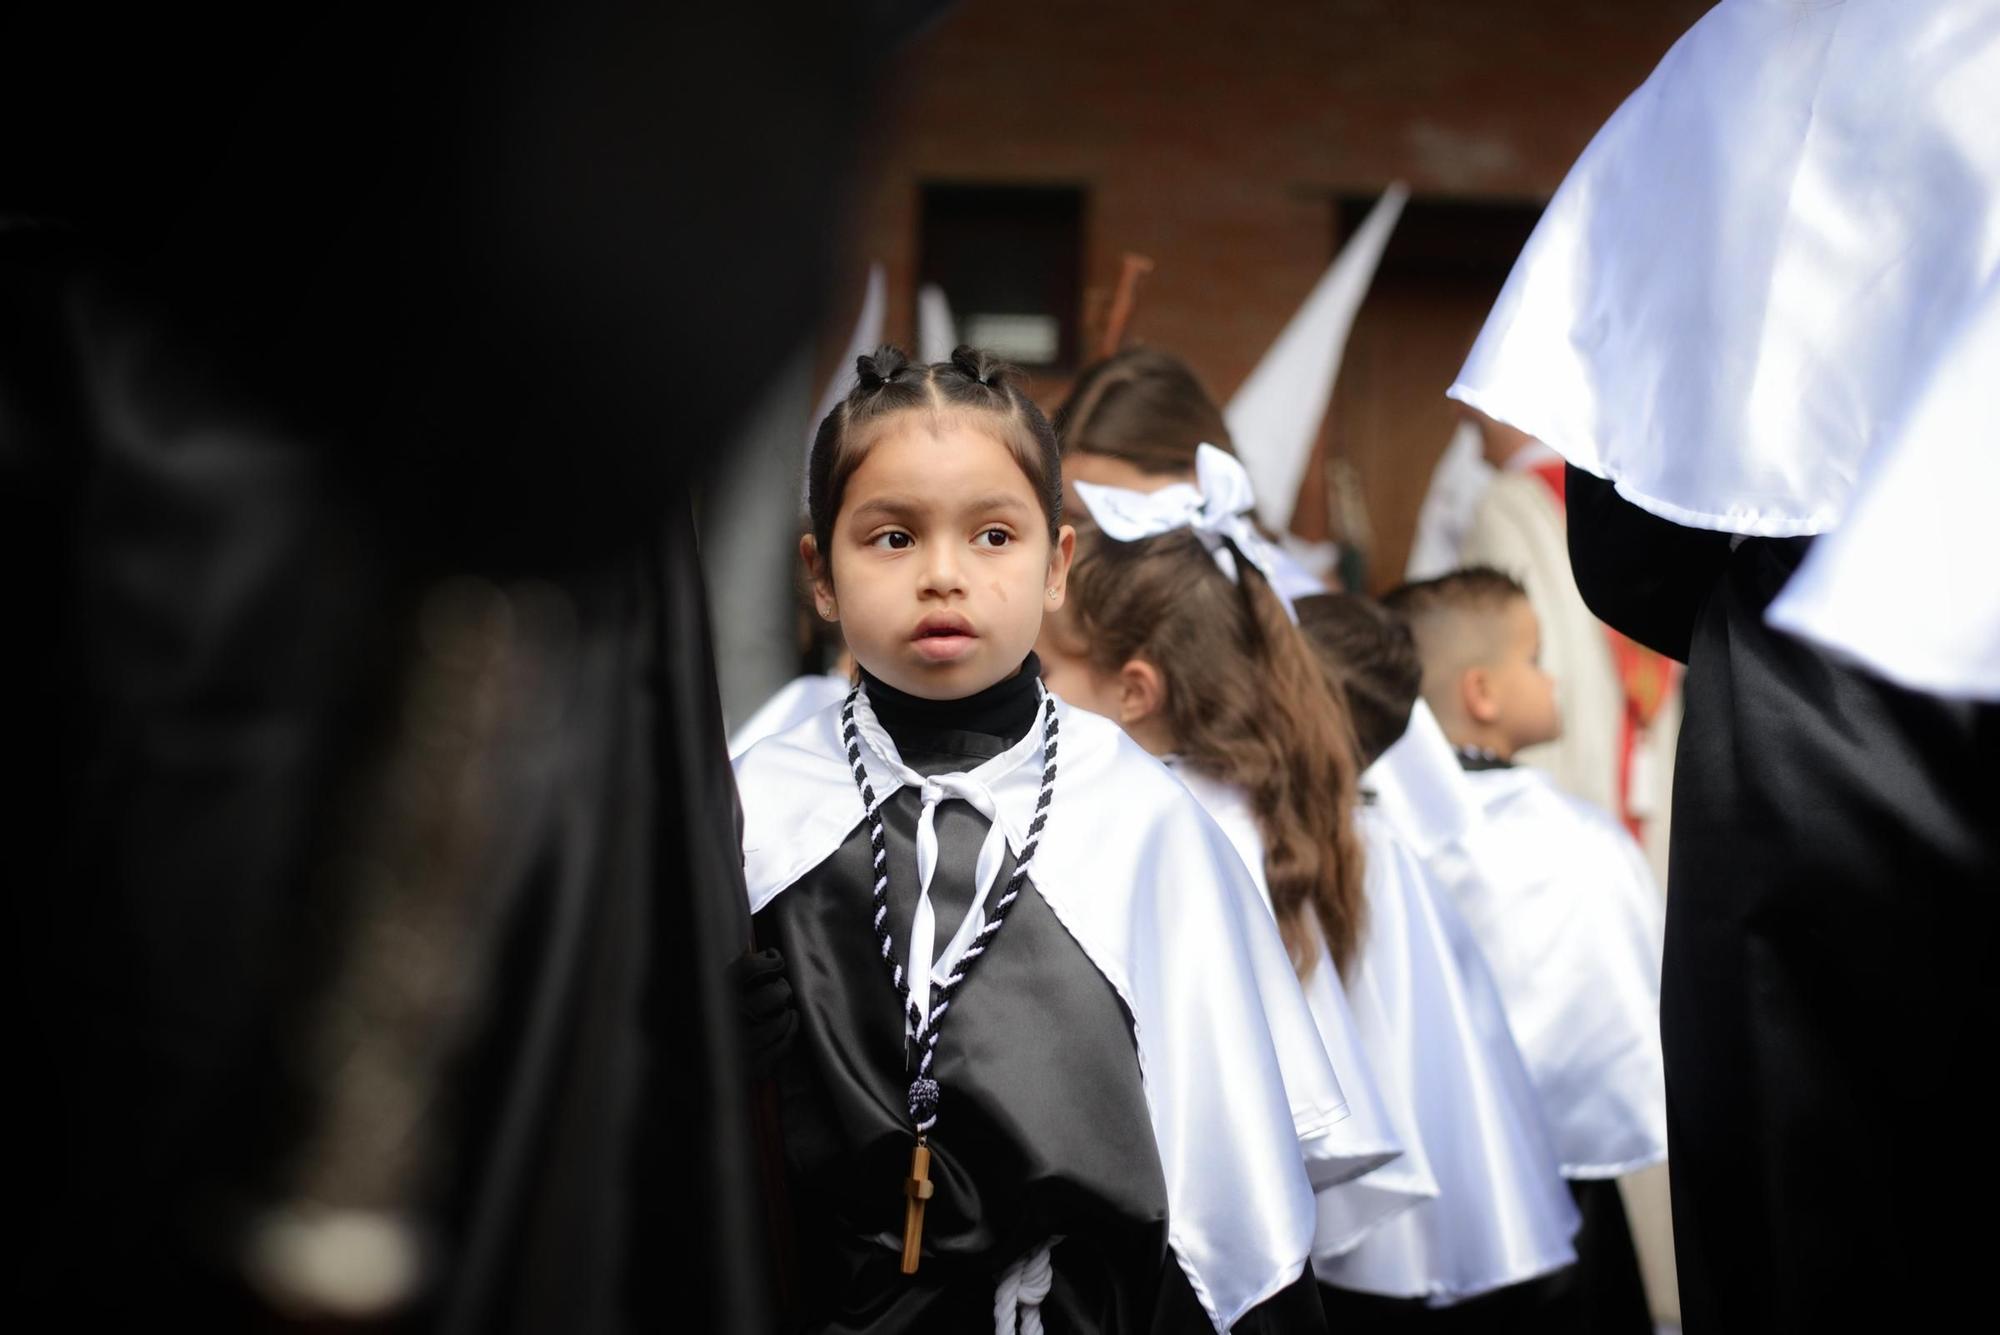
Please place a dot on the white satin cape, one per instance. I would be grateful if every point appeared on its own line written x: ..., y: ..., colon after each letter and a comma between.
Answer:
x: 1908, y: 584
x: 1766, y: 291
x: 1159, y: 901
x: 1758, y: 259
x: 1564, y: 907
x: 1392, y: 1178
x: 1432, y: 1024
x: 794, y: 702
x: 1420, y: 788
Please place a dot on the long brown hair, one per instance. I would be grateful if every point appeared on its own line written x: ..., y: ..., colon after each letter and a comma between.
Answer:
x: 1248, y: 704
x: 1144, y: 406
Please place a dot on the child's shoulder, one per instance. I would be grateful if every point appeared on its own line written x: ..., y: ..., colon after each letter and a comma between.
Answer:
x: 810, y: 742
x: 1563, y: 805
x: 797, y: 700
x: 1542, y: 815
x: 1114, y: 801
x: 1093, y: 750
x: 798, y: 802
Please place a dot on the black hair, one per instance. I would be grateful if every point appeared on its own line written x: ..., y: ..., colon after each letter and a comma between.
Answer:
x: 1370, y: 657
x: 887, y: 383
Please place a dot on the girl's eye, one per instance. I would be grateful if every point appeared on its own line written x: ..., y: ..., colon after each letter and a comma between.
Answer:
x: 895, y: 540
x: 995, y: 537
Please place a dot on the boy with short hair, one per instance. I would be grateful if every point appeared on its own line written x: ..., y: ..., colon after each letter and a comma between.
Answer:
x: 1480, y: 645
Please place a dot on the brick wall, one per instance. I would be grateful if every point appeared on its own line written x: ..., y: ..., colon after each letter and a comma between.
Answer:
x: 1212, y: 137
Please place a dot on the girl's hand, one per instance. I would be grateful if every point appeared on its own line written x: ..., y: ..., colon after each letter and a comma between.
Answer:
x: 765, y: 1008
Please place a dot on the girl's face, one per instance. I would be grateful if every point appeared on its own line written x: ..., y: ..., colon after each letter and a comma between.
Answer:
x: 940, y: 568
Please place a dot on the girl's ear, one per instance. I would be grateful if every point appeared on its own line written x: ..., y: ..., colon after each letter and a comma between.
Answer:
x: 820, y: 573
x: 1060, y: 557
x: 1142, y: 692
x: 1475, y: 689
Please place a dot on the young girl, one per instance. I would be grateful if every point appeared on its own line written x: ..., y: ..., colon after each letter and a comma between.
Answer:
x: 1204, y: 668
x: 1034, y: 1070
x: 1174, y: 631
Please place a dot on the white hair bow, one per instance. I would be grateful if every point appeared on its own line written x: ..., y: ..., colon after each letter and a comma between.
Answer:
x: 1217, y: 507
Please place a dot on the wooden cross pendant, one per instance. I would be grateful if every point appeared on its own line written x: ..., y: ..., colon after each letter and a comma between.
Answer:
x: 918, y: 1188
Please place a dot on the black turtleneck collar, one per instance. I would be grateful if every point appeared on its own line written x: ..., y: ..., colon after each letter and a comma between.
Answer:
x: 1474, y: 759
x: 1005, y: 710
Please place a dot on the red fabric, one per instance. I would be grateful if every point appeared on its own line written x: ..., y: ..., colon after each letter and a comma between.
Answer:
x: 1555, y: 476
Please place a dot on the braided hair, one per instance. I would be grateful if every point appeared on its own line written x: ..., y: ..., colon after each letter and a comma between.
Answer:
x: 887, y: 384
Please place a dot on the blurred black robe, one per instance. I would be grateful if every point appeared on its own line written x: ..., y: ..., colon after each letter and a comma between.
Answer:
x: 1833, y: 927
x: 305, y: 315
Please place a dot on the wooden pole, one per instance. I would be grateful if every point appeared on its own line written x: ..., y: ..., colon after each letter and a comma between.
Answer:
x: 1135, y: 267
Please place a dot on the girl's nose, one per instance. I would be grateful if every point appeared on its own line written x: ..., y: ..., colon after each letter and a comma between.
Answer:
x: 942, y: 570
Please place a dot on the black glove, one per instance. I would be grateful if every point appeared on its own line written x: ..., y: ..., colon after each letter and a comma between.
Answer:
x: 765, y: 1009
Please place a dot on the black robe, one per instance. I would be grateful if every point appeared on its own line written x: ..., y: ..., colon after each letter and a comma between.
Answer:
x: 225, y: 641
x: 1829, y: 981
x: 1043, y: 1126
x: 299, y: 318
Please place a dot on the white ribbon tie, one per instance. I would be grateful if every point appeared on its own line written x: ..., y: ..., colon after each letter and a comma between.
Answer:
x: 1216, y: 508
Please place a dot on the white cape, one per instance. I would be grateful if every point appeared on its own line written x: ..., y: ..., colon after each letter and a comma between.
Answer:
x: 1159, y: 901
x: 1564, y: 908
x: 1374, y: 1141
x: 1908, y: 583
x: 1759, y: 259
x: 1419, y: 787
x: 1434, y: 1027
x: 796, y: 701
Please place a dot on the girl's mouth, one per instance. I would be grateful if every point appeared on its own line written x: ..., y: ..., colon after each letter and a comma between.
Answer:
x: 943, y: 637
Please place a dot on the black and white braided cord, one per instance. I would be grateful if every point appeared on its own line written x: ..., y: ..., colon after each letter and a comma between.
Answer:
x: 878, y: 846
x: 923, y: 1089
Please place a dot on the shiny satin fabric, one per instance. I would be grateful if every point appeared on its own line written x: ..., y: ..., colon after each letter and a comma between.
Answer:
x: 1445, y: 1062
x: 1218, y: 507
x: 795, y: 702
x: 1759, y: 259
x: 1382, y: 1178
x: 1130, y: 866
x: 1880, y: 588
x: 1564, y: 908
x: 1418, y: 785
x: 1035, y: 1139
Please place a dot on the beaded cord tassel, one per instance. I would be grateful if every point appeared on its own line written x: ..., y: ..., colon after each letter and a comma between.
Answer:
x: 923, y: 1093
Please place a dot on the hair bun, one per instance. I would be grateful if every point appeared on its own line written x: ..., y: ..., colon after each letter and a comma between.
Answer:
x: 980, y: 365
x: 872, y: 370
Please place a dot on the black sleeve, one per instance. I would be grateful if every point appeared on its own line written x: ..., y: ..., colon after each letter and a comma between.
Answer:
x: 1644, y: 576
